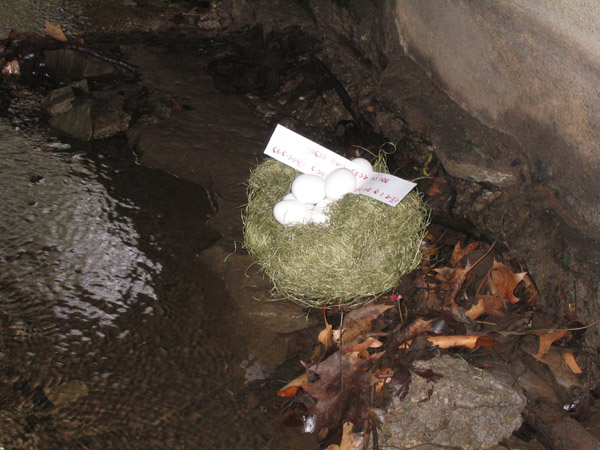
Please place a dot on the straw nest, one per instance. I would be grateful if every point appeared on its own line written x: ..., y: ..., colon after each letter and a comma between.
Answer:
x: 360, y: 254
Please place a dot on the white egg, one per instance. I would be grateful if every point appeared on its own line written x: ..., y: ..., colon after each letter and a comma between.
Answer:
x: 339, y: 183
x: 289, y: 196
x: 318, y: 217
x: 366, y: 169
x: 324, y: 204
x: 308, y: 188
x: 320, y: 213
x: 291, y: 212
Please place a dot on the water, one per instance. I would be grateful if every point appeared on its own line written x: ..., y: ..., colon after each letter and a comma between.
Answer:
x: 105, y: 335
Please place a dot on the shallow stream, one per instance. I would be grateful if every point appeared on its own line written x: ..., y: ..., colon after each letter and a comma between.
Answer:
x: 105, y: 339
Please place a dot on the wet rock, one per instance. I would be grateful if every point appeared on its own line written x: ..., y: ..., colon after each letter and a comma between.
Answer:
x: 76, y: 115
x: 66, y: 393
x: 111, y: 123
x: 149, y: 107
x: 108, y: 116
x: 207, y: 18
x: 251, y: 291
x: 59, y: 101
x: 480, y: 162
x: 249, y: 313
x: 69, y: 65
x: 467, y: 408
x: 77, y: 122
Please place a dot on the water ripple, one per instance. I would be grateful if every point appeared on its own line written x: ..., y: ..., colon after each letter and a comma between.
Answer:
x: 65, y: 251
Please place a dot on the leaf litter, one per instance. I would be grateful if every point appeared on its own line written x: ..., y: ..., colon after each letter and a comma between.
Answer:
x: 445, y: 308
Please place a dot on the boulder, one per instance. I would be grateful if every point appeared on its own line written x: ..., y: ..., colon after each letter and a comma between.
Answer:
x: 466, y: 408
x: 77, y: 122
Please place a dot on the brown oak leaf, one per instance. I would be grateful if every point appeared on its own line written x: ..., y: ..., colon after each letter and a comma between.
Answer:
x: 502, y: 281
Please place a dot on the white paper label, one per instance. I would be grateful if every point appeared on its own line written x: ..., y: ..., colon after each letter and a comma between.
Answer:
x: 309, y: 157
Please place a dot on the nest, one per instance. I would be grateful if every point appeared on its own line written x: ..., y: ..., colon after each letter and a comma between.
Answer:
x: 359, y: 255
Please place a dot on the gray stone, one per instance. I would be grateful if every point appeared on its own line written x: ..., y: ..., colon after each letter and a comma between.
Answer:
x: 248, y: 313
x: 76, y: 123
x: 69, y: 65
x: 476, y: 164
x: 526, y: 68
x: 110, y: 123
x: 66, y: 393
x: 467, y: 408
x: 59, y: 101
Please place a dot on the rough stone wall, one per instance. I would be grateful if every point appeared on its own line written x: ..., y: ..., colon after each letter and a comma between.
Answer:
x: 531, y: 69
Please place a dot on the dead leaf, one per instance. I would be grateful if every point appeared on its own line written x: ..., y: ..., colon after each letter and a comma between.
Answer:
x: 384, y: 376
x: 326, y: 336
x: 459, y: 253
x: 502, y: 281
x: 11, y: 68
x: 360, y: 321
x: 351, y: 440
x: 342, y: 383
x: 570, y: 360
x: 547, y: 338
x: 416, y: 328
x: 292, y: 388
x: 452, y: 280
x: 55, y: 31
x: 360, y: 345
x: 486, y: 304
x: 469, y: 341
x: 531, y: 290
x: 476, y: 310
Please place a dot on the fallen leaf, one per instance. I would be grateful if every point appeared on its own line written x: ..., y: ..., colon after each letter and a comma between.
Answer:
x: 326, y: 336
x: 416, y: 328
x: 459, y: 253
x: 11, y: 68
x: 384, y: 376
x: 292, y: 388
x: 452, y: 280
x: 531, y: 290
x: 476, y: 310
x: 469, y: 341
x: 435, y: 188
x: 502, y: 281
x: 342, y: 383
x: 360, y: 321
x: 486, y: 304
x: 547, y: 338
x: 351, y: 440
x: 360, y: 345
x: 55, y: 31
x: 569, y: 358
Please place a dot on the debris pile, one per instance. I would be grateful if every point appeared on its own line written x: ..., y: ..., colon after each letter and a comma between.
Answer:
x: 454, y: 358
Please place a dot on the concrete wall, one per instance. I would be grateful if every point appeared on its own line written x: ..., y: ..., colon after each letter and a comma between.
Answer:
x: 528, y: 68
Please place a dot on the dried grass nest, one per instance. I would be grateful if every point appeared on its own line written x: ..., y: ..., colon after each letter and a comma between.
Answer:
x: 359, y: 255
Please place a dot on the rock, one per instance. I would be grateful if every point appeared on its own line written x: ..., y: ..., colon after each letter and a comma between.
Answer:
x: 207, y: 18
x: 59, y: 101
x: 66, y: 393
x: 70, y: 65
x: 481, y: 162
x: 248, y: 315
x: 111, y: 123
x: 77, y: 122
x: 83, y: 118
x: 467, y: 408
